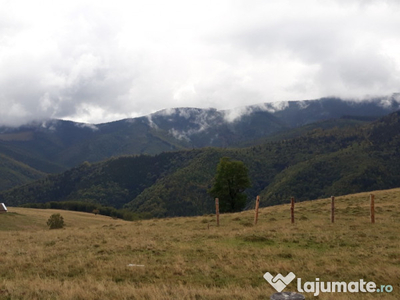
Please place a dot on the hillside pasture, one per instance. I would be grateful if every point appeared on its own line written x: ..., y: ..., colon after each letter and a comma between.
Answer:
x: 97, y: 257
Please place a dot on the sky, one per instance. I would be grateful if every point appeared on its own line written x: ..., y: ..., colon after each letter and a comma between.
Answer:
x: 99, y: 61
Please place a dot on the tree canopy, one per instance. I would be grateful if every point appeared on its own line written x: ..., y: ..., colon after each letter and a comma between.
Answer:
x: 230, y: 182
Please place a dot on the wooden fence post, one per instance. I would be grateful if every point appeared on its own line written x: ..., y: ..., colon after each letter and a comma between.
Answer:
x: 256, y: 211
x: 217, y: 209
x: 332, y: 209
x: 372, y: 197
x: 292, y: 209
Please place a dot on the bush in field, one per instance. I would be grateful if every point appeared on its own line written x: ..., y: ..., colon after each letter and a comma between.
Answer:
x: 55, y: 221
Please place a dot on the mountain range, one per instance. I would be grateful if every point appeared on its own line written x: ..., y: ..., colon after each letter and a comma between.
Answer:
x: 164, y: 163
x: 53, y: 146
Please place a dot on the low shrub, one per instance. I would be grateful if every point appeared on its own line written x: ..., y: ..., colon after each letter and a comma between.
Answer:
x: 55, y: 221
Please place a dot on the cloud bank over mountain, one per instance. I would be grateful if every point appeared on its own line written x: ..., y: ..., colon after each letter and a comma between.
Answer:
x: 96, y: 62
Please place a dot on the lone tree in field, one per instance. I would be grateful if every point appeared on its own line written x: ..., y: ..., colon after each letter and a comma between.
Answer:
x: 230, y: 182
x: 55, y: 221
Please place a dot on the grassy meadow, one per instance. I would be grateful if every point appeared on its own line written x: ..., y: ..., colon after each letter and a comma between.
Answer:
x: 97, y: 257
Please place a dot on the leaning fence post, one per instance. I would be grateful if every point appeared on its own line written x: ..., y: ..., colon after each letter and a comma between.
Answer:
x: 217, y: 209
x: 256, y: 211
x: 332, y: 209
x: 372, y: 197
x: 292, y: 209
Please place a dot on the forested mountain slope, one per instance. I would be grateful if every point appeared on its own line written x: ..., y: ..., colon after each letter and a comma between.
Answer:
x: 319, y: 163
x: 54, y: 145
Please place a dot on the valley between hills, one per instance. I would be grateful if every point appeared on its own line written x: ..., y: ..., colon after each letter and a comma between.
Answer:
x: 320, y: 148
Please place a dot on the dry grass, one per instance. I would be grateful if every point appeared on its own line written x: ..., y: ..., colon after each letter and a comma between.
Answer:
x: 191, y: 258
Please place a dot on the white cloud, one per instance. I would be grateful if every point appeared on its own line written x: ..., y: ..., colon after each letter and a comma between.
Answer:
x: 97, y: 61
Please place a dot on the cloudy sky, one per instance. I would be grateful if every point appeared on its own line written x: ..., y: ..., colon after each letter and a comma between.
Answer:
x: 97, y: 61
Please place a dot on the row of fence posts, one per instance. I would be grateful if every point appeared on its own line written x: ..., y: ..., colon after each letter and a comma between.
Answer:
x: 372, y: 209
